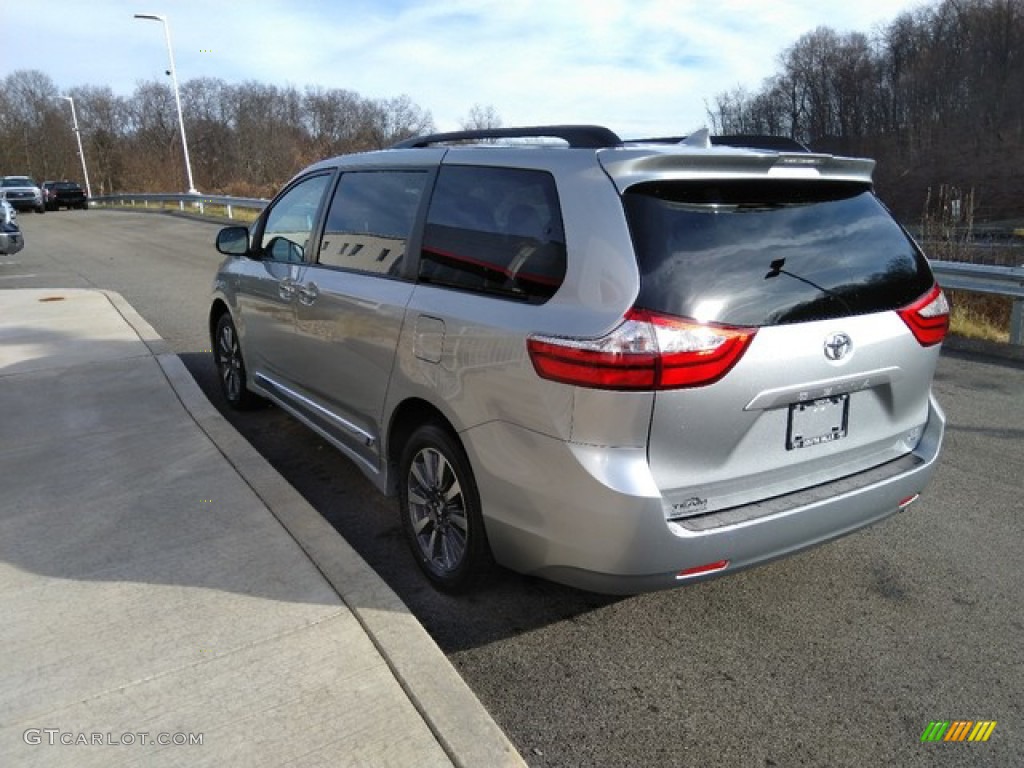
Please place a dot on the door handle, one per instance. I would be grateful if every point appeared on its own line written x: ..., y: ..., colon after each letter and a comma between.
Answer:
x: 308, y: 293
x: 286, y: 289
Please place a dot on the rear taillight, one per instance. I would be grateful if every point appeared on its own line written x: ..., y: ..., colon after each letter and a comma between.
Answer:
x: 647, y: 351
x: 928, y: 317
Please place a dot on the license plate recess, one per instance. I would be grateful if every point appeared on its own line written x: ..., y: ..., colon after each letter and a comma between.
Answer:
x: 818, y: 421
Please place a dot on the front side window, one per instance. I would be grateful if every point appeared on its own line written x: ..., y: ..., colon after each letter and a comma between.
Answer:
x: 496, y: 231
x: 371, y: 216
x: 290, y: 221
x: 757, y: 253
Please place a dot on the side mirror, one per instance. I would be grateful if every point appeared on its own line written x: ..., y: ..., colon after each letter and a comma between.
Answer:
x: 233, y: 241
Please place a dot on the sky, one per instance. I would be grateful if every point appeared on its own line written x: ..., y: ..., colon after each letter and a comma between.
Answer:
x: 640, y: 67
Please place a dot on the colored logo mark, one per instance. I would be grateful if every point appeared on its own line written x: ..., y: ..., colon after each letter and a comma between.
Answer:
x: 958, y: 730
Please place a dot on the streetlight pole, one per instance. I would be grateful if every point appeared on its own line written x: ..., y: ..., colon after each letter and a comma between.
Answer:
x: 78, y: 137
x: 177, y: 97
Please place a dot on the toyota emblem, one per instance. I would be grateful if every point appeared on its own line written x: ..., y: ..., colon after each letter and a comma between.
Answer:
x: 837, y: 346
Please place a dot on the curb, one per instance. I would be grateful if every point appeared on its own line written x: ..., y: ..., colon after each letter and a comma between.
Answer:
x: 448, y: 706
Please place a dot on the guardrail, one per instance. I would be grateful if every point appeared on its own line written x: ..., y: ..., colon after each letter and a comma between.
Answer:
x: 185, y: 202
x: 982, y: 278
x: 961, y: 276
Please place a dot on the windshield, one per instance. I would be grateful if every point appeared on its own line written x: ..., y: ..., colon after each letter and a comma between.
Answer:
x: 18, y: 181
x: 769, y: 253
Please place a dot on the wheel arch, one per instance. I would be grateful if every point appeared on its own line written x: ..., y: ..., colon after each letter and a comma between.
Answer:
x: 218, y: 308
x: 406, y: 418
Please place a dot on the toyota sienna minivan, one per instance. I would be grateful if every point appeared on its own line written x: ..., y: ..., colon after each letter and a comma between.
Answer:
x: 619, y: 365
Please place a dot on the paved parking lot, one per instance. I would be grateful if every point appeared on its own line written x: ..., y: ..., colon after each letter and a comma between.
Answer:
x: 839, y: 656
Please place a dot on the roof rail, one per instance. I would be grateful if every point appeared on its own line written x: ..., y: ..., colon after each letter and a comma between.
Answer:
x: 746, y: 141
x: 577, y: 136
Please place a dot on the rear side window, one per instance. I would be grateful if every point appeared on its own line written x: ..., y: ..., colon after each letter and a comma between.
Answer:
x: 770, y: 253
x: 370, y: 218
x: 496, y: 231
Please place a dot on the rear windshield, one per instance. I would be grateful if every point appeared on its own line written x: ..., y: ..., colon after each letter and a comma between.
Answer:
x: 769, y: 253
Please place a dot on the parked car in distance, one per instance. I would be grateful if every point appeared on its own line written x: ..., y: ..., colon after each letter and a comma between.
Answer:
x: 11, y: 238
x: 64, y: 194
x: 23, y: 193
x: 623, y: 366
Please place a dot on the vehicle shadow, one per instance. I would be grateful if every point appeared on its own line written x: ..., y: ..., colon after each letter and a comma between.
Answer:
x: 502, y: 605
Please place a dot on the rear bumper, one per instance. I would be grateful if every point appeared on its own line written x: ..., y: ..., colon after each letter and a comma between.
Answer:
x: 593, y: 518
x: 55, y: 203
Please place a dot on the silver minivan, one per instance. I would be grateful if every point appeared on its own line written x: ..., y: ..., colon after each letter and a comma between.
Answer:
x: 623, y: 366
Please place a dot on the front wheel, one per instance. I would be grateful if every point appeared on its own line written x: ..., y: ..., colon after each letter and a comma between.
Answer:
x: 440, y: 508
x: 227, y: 354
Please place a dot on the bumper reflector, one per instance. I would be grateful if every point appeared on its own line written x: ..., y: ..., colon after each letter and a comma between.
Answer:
x: 700, y: 570
x: 909, y: 500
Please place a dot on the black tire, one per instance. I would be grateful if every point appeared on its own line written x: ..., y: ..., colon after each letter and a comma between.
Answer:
x: 227, y: 356
x: 440, y: 509
x: 41, y: 209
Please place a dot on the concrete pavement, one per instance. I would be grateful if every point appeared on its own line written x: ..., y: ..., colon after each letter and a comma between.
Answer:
x: 166, y: 598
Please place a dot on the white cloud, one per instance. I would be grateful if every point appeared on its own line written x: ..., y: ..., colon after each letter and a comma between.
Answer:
x: 638, y: 66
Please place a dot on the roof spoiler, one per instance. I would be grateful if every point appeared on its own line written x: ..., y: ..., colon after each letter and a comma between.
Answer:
x: 703, y: 139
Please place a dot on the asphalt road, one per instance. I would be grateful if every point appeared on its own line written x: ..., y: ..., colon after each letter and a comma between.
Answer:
x: 837, y: 657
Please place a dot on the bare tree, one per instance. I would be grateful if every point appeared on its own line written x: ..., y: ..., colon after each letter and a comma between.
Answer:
x: 336, y: 121
x: 935, y: 97
x: 30, y: 117
x: 481, y: 117
x: 391, y: 120
x: 102, y: 119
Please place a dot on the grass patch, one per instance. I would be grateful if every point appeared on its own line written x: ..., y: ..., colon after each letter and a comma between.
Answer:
x: 239, y: 215
x: 980, y: 316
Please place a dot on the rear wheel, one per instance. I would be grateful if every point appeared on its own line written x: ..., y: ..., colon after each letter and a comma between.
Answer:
x: 227, y: 354
x: 440, y: 508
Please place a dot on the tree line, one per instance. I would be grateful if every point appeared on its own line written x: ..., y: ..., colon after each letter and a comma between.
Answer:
x: 936, y: 96
x: 243, y: 139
